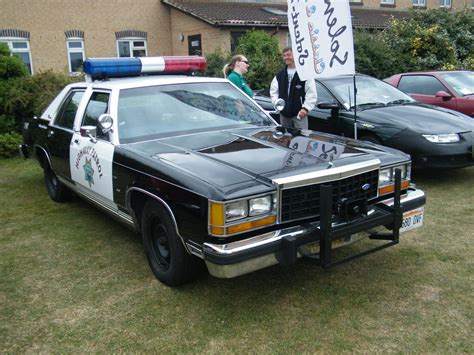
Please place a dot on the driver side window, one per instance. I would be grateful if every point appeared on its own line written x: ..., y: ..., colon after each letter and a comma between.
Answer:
x: 98, y: 104
x: 323, y: 94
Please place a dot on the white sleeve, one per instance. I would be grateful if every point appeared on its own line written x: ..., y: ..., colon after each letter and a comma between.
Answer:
x: 274, y: 90
x: 310, y: 95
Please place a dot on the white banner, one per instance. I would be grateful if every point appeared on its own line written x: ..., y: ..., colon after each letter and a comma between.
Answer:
x: 321, y: 37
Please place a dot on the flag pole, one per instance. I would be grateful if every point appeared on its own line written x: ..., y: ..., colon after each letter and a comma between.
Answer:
x: 355, y: 108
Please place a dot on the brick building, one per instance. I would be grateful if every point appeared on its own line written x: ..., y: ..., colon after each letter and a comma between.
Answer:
x: 59, y: 34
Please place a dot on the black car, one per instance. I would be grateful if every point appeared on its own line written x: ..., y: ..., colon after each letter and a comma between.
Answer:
x: 205, y: 175
x: 434, y: 137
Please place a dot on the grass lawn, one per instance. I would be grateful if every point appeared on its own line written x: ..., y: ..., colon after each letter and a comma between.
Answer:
x: 73, y: 280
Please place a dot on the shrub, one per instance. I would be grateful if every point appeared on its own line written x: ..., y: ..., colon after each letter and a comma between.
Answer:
x: 432, y: 40
x: 263, y: 53
x: 372, y: 55
x: 9, y: 144
x: 215, y: 62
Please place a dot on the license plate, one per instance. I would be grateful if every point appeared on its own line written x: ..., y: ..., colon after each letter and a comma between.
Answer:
x: 412, y: 219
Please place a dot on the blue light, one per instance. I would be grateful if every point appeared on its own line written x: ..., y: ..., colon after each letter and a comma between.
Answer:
x: 112, y: 67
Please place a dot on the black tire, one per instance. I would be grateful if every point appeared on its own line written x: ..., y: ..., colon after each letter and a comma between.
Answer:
x: 166, y: 255
x: 371, y: 139
x: 56, y: 191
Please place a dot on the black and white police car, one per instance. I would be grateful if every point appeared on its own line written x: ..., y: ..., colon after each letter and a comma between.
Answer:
x: 207, y: 177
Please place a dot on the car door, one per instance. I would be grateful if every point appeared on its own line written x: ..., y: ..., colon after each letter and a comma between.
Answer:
x: 60, y: 132
x: 91, y: 159
x: 424, y: 88
x: 325, y: 120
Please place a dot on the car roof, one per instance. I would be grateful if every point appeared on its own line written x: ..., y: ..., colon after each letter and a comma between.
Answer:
x: 151, y: 80
x: 431, y: 72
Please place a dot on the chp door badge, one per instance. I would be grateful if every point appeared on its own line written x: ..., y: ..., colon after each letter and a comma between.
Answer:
x: 89, y: 172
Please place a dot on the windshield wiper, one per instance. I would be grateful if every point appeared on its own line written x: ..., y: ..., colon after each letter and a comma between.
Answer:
x: 399, y: 102
x: 368, y: 104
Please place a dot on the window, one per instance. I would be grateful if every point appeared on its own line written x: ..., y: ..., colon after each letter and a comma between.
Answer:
x: 75, y: 54
x: 132, y: 47
x: 445, y: 3
x: 21, y: 48
x: 387, y: 2
x: 420, y: 84
x: 68, y: 110
x: 235, y: 37
x: 98, y: 104
x: 419, y: 3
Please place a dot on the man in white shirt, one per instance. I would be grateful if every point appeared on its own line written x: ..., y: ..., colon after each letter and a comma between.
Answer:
x: 300, y: 96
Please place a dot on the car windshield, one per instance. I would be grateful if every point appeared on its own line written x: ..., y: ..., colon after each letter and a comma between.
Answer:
x: 370, y: 92
x: 157, y: 111
x: 461, y: 82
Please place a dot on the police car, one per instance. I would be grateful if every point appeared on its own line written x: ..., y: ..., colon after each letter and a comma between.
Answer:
x: 207, y: 177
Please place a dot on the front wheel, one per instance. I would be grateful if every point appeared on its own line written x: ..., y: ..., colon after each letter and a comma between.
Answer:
x: 56, y: 190
x: 164, y: 249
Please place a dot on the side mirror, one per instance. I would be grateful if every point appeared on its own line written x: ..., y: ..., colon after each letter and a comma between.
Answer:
x: 105, y: 123
x: 444, y: 95
x: 279, y: 105
x: 89, y: 131
x: 328, y: 106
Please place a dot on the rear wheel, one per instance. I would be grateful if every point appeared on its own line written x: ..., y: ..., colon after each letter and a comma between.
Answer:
x: 56, y: 190
x: 164, y: 249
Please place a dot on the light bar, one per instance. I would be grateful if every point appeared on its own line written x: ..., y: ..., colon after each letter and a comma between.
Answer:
x: 122, y: 67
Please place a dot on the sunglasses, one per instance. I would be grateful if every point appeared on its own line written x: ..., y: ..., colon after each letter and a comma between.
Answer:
x: 245, y: 61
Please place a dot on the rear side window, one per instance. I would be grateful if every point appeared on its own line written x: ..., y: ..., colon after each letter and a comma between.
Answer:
x: 68, y: 110
x: 420, y: 84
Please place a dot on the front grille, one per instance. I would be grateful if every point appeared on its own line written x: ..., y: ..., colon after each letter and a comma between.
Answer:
x: 303, y: 202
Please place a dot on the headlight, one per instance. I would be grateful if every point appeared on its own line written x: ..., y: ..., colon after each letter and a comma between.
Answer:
x: 442, y: 138
x: 387, y: 178
x: 229, y: 218
x: 236, y: 210
x: 260, y: 205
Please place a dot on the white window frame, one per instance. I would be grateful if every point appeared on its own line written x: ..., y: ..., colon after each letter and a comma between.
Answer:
x: 74, y: 50
x: 419, y: 3
x: 132, y: 46
x: 387, y: 2
x: 445, y: 3
x: 9, y: 42
x: 355, y: 1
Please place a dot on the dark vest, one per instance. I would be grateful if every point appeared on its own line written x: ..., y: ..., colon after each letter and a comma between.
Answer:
x: 294, y: 101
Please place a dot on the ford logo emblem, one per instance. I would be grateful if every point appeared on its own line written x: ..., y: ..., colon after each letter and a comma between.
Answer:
x: 365, y: 187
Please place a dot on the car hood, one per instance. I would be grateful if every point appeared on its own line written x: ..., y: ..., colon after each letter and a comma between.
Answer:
x: 420, y: 118
x: 225, y: 158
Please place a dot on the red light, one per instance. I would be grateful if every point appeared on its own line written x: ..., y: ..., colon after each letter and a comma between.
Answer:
x: 185, y: 64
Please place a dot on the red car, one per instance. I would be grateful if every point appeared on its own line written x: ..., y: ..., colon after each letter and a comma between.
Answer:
x: 450, y: 89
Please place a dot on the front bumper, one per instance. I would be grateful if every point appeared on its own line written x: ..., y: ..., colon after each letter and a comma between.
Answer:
x: 284, y: 246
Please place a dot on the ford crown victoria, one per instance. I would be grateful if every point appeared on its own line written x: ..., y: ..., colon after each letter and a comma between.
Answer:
x: 207, y: 177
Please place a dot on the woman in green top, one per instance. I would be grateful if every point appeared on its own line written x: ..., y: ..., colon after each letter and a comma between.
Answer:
x: 235, y: 70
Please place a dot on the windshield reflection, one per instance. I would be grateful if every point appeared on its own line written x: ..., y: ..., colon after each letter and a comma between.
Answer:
x: 370, y: 92
x: 158, y: 111
x: 462, y: 82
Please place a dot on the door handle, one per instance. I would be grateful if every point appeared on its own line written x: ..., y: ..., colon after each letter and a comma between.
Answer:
x: 76, y: 141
